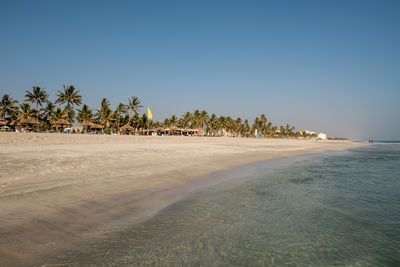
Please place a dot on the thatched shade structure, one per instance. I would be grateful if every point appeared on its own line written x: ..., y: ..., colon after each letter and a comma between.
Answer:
x: 159, y: 129
x: 3, y: 121
x: 96, y: 126
x: 28, y: 121
x: 62, y: 122
x: 128, y: 128
x: 86, y: 123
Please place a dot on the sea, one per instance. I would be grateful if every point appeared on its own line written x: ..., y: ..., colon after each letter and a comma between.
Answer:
x: 334, y: 209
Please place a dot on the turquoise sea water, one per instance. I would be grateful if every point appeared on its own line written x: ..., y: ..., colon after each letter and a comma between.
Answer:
x: 340, y: 209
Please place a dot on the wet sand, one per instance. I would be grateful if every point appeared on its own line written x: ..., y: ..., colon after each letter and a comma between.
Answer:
x: 59, y: 190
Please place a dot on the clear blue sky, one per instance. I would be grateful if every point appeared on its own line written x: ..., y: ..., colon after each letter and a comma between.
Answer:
x: 331, y: 66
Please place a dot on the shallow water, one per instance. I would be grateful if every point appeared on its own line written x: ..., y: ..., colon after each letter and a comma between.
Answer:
x: 338, y: 209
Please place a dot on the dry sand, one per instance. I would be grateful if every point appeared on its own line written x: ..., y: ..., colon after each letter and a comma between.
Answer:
x: 57, y: 190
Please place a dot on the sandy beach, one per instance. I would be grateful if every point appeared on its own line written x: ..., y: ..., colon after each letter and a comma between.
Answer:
x: 57, y: 190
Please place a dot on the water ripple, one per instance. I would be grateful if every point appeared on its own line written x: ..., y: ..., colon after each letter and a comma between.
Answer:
x: 336, y: 210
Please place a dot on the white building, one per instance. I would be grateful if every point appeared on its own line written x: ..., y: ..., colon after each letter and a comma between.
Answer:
x: 322, y: 136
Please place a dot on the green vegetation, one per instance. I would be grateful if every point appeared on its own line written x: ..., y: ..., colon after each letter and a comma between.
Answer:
x: 111, y: 121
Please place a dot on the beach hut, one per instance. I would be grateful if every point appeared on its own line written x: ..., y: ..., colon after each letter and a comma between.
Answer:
x: 95, y: 126
x: 174, y: 131
x: 61, y: 124
x: 127, y: 129
x: 28, y: 123
x: 159, y: 130
x: 85, y: 125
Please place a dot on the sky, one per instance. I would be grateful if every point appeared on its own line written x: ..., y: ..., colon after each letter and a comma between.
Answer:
x: 328, y: 66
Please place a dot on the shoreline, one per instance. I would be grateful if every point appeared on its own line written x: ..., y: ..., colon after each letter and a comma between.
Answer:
x: 67, y: 190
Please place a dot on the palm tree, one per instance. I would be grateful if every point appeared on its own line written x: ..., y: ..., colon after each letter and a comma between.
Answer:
x: 173, y: 120
x: 289, y: 130
x: 105, y: 115
x: 268, y: 129
x: 263, y: 124
x: 7, y: 106
x: 203, y: 119
x: 274, y: 129
x: 60, y: 114
x: 221, y: 125
x: 84, y: 114
x: 186, y: 119
x: 134, y: 105
x: 167, y: 123
x: 212, y: 125
x: 239, y: 126
x: 105, y: 105
x: 282, y: 131
x: 48, y: 113
x: 107, y: 118
x: 135, y: 120
x: 121, y: 109
x: 229, y: 125
x: 37, y: 96
x: 26, y: 111
x: 246, y: 127
x: 70, y: 113
x: 70, y: 96
x: 196, y: 119
x: 256, y: 125
x: 143, y: 121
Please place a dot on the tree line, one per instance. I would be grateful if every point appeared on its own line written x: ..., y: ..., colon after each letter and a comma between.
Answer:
x: 38, y: 106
